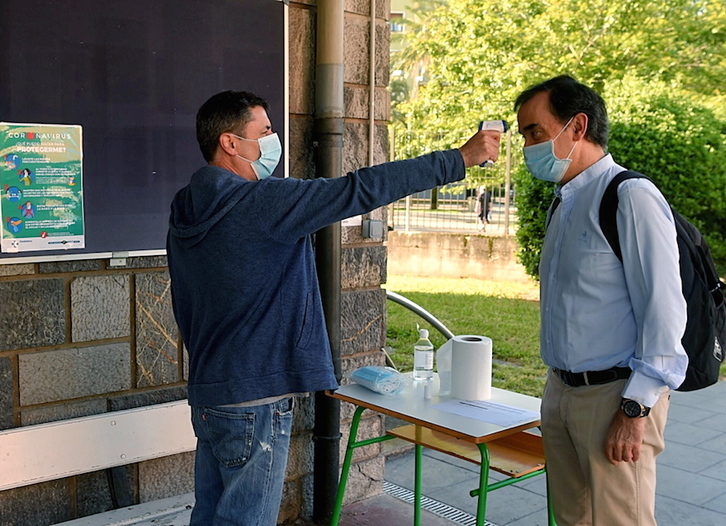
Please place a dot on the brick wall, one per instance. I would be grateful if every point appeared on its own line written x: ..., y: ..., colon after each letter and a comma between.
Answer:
x: 81, y: 338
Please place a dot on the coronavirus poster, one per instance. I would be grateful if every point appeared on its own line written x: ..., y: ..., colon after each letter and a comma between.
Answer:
x: 41, y: 173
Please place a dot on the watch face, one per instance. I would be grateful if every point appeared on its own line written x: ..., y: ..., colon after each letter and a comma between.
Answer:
x: 632, y: 408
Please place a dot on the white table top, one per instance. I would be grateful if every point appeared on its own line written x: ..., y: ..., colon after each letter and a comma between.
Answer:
x: 411, y: 406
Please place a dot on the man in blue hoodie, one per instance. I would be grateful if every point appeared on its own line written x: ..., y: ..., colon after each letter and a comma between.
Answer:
x: 246, y: 296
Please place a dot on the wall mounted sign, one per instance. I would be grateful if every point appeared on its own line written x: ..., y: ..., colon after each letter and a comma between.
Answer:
x: 41, y: 176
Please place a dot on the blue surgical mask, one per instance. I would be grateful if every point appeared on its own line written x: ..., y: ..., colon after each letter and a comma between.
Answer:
x: 270, y: 152
x: 542, y: 162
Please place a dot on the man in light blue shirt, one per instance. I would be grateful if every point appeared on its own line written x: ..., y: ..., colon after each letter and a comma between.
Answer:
x: 610, y: 331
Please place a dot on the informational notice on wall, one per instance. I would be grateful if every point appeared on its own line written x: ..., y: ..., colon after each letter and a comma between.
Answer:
x: 41, y: 174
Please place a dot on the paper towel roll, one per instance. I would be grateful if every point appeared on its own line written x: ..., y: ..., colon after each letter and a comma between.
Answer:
x: 471, y: 367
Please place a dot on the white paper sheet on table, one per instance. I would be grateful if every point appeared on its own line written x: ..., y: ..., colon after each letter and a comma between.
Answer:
x: 492, y: 412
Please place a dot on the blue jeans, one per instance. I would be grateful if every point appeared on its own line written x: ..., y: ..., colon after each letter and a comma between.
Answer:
x: 240, y: 463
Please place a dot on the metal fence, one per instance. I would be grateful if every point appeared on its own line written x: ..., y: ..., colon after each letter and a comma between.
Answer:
x: 454, y: 207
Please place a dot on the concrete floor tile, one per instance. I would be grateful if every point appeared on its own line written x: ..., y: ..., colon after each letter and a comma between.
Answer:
x: 717, y: 504
x: 715, y: 421
x: 715, y: 444
x: 717, y: 471
x: 531, y: 520
x: 435, y: 475
x: 687, y: 415
x: 689, y: 434
x: 536, y: 485
x: 687, y: 487
x: 672, y: 512
x: 689, y: 458
x: 711, y: 398
x: 386, y: 511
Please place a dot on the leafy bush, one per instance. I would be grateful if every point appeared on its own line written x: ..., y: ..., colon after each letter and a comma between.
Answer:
x: 533, y: 199
x: 665, y: 135
x: 682, y: 147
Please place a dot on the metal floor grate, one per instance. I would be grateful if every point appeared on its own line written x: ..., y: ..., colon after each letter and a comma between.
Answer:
x: 434, y: 506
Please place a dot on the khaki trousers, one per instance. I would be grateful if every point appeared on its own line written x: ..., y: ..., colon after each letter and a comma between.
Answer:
x: 585, y: 488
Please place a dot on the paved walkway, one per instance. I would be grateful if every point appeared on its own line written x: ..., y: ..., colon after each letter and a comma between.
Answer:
x: 691, y: 472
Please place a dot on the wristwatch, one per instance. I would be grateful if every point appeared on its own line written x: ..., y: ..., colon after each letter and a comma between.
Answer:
x: 634, y: 409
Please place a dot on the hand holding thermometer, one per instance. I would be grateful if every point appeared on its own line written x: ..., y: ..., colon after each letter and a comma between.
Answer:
x: 501, y: 126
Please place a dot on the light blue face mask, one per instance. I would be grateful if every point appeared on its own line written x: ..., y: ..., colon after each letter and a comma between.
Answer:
x: 270, y: 153
x: 542, y: 162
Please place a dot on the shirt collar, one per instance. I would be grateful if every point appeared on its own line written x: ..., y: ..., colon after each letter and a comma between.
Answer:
x: 586, y: 176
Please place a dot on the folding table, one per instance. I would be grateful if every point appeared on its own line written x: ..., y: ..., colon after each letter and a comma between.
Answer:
x: 507, y: 448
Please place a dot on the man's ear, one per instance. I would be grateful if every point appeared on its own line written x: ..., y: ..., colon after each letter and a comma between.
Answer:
x: 579, y: 126
x: 227, y: 144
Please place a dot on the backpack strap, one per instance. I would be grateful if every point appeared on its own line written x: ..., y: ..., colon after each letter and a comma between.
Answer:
x: 553, y: 206
x: 609, y: 208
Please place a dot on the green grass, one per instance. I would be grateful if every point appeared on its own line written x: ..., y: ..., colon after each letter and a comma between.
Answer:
x: 506, y: 312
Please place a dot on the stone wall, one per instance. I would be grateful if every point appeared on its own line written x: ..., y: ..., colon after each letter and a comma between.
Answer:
x: 82, y: 338
x: 455, y: 256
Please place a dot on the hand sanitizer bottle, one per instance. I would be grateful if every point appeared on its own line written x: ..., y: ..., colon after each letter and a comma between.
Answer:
x: 423, y: 357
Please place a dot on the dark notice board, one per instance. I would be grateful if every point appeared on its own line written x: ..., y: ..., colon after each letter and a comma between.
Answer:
x: 133, y: 74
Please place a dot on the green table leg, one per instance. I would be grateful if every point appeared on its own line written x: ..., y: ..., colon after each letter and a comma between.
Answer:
x: 417, y: 486
x: 346, y: 466
x: 481, y: 504
x: 345, y: 470
x: 550, y: 509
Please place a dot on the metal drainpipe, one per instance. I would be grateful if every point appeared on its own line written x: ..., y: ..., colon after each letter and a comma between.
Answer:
x: 328, y: 131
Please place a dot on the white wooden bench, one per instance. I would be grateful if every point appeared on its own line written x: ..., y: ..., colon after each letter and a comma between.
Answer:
x: 44, y: 452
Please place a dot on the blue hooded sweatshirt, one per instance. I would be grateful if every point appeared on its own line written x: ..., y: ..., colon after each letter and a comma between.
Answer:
x: 244, y: 288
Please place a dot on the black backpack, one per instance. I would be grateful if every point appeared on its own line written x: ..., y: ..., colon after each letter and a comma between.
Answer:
x: 705, y: 332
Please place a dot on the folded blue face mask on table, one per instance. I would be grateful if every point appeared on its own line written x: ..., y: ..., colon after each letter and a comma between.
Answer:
x: 383, y: 380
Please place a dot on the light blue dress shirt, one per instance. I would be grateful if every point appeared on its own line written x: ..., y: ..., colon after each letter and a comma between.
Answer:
x: 598, y: 313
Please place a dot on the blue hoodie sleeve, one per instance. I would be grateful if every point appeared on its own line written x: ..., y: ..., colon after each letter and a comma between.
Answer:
x: 289, y: 209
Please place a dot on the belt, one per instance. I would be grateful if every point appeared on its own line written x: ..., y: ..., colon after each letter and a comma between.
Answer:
x: 593, y: 377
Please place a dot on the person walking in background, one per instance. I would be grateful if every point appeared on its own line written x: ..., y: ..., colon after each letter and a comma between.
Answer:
x: 484, y: 205
x: 246, y: 298
x: 610, y: 330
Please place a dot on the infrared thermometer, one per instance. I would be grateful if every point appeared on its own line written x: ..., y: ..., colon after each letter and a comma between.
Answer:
x: 500, y: 126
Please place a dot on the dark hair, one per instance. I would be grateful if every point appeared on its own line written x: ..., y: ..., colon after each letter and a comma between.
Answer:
x: 568, y: 98
x: 224, y: 112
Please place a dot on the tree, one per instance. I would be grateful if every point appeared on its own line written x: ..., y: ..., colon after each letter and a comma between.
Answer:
x: 482, y: 54
x: 409, y: 63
